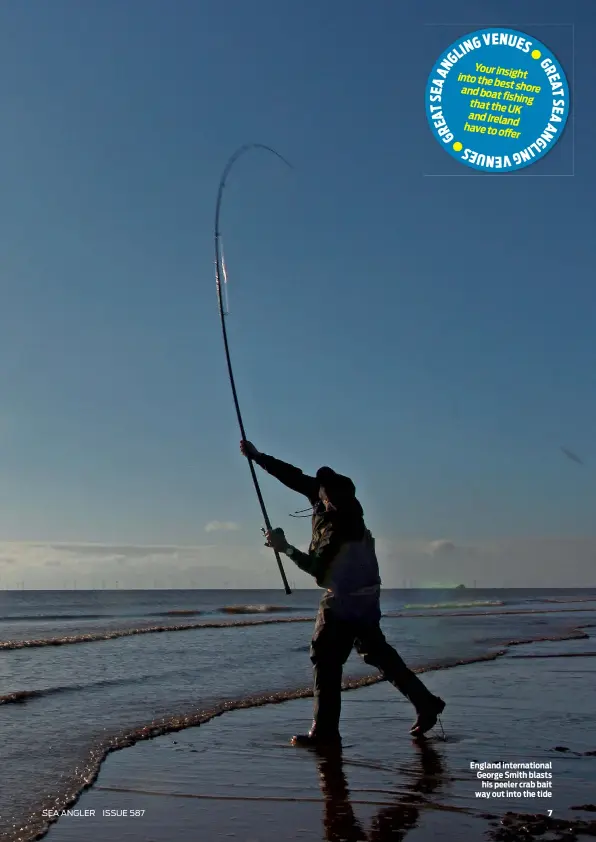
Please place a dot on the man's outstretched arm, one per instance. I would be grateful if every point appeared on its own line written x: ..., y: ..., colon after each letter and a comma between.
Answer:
x: 287, y: 474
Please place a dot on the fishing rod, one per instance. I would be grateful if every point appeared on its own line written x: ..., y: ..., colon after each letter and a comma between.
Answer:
x: 220, y: 272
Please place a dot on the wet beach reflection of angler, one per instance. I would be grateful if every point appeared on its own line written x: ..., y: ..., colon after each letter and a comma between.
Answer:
x: 391, y: 822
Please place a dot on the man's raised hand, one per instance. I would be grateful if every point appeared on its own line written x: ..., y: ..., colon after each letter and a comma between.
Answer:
x: 248, y: 449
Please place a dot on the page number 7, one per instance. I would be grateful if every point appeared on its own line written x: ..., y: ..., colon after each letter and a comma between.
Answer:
x: 550, y: 812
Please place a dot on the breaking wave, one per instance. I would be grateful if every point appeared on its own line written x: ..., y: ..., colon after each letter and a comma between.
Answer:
x: 480, y: 603
x: 266, y: 608
x: 23, y: 696
x: 42, y: 618
x: 114, y: 634
x: 255, y: 609
x: 94, y: 637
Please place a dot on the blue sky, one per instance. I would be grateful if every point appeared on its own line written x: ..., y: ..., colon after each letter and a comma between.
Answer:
x: 432, y: 337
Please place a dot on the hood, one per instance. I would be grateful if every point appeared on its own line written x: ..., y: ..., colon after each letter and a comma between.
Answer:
x: 342, y: 494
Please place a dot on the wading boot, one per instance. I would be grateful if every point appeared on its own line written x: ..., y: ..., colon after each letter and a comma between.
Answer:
x: 317, y: 739
x: 427, y: 717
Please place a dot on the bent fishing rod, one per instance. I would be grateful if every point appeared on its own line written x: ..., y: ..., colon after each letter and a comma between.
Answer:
x: 220, y: 272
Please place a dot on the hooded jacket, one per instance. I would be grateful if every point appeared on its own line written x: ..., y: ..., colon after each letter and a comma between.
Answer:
x: 341, y: 556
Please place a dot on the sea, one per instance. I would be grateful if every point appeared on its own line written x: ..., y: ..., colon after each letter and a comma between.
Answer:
x: 83, y: 673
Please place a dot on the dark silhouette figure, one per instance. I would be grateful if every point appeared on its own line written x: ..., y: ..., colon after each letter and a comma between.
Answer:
x: 342, y: 559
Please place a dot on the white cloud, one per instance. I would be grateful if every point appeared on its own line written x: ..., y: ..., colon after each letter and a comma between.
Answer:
x: 222, y: 526
x: 442, y: 547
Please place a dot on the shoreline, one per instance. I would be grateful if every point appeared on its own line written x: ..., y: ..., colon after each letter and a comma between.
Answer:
x: 39, y: 826
x: 239, y: 777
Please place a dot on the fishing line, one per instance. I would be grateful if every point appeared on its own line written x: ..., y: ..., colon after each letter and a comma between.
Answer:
x: 220, y: 274
x: 310, y: 511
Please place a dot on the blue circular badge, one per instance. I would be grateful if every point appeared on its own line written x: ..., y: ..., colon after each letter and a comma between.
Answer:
x: 497, y: 100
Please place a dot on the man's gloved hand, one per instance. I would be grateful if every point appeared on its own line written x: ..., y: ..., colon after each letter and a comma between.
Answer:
x: 276, y: 540
x: 248, y: 449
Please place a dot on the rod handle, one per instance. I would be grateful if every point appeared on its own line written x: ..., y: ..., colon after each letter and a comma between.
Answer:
x: 283, y: 574
x: 279, y: 564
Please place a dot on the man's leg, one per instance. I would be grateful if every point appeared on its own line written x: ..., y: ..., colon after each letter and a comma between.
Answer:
x: 331, y: 645
x: 373, y: 648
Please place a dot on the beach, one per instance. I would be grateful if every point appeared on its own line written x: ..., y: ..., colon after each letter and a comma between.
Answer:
x: 517, y: 674
x: 237, y: 777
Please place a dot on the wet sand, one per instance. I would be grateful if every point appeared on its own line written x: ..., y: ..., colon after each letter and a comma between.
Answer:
x: 237, y: 777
